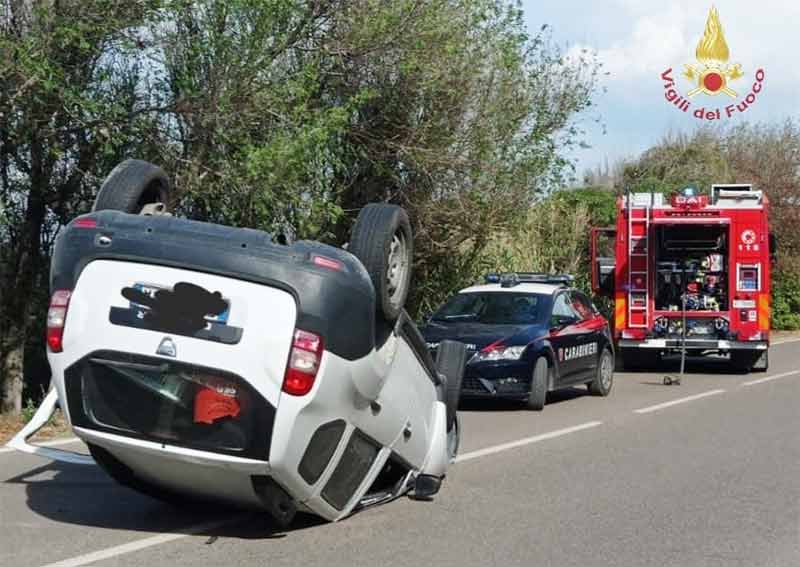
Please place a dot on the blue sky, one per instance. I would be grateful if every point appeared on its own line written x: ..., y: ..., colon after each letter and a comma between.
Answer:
x: 637, y: 40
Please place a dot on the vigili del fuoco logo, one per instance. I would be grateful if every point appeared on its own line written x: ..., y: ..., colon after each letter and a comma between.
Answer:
x: 712, y: 75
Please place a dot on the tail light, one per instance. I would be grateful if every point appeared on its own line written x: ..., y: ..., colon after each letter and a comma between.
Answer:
x: 304, y: 359
x: 329, y: 263
x: 84, y: 223
x: 56, y: 316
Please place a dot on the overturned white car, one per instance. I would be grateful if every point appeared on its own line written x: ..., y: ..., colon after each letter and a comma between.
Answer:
x: 224, y: 363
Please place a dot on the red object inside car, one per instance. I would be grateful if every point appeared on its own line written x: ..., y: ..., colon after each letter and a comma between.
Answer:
x: 211, y: 405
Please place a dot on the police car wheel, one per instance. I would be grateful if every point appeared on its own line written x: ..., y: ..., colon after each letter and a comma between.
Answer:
x: 538, y: 393
x: 601, y: 385
x: 132, y: 185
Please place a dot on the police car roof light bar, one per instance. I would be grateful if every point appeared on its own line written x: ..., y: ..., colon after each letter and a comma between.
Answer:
x: 511, y: 279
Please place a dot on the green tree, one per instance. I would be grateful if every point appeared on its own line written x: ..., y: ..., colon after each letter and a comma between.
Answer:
x: 67, y: 112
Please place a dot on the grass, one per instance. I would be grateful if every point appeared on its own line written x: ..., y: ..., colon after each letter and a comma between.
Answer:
x: 10, y: 424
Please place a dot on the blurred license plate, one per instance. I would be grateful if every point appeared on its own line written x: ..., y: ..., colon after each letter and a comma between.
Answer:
x: 151, y: 289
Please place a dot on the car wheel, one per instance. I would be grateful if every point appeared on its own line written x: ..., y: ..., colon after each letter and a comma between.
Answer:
x: 381, y: 239
x: 742, y: 361
x: 601, y: 385
x: 126, y: 477
x: 762, y: 362
x: 637, y: 358
x: 538, y: 393
x: 451, y: 358
x: 131, y: 186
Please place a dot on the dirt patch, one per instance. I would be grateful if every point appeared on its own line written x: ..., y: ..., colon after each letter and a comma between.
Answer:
x: 778, y: 336
x: 10, y: 424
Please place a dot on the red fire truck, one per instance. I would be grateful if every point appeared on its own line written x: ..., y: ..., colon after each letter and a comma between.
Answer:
x: 688, y: 271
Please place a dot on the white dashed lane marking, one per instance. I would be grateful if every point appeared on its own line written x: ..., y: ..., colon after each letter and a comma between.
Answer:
x: 526, y: 441
x: 771, y: 378
x: 671, y: 403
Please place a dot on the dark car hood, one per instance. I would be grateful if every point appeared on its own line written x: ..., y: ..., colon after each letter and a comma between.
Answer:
x: 479, y: 335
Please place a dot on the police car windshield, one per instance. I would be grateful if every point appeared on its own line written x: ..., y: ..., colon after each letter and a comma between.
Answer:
x: 491, y: 308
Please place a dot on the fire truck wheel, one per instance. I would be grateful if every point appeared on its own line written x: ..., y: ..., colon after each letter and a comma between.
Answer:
x: 601, y: 385
x: 748, y: 361
x: 762, y: 362
x: 636, y: 358
x: 538, y: 393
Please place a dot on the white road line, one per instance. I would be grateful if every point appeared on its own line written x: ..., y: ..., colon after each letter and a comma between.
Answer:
x: 657, y: 407
x: 770, y: 378
x: 786, y: 341
x: 138, y: 545
x: 526, y: 441
x: 53, y: 443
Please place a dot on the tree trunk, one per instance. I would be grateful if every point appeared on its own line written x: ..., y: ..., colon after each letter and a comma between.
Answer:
x: 11, y: 370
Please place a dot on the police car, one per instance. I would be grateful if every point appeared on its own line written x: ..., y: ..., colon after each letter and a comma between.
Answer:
x: 526, y: 334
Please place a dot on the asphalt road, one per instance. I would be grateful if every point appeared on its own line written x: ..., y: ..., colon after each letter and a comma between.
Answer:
x: 702, y: 474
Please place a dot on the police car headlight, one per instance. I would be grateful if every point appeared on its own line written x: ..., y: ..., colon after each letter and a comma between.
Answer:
x: 499, y: 353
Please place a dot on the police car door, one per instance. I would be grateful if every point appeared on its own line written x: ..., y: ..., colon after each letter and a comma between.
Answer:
x: 590, y: 330
x: 565, y: 336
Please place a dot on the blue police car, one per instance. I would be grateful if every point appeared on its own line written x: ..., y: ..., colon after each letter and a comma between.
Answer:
x: 526, y: 334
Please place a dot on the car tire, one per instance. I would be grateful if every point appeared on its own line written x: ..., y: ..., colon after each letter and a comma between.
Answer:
x: 637, y: 359
x: 761, y: 363
x: 743, y: 361
x: 132, y: 185
x: 538, y: 394
x: 451, y: 359
x: 381, y: 239
x: 604, y: 379
x: 126, y: 477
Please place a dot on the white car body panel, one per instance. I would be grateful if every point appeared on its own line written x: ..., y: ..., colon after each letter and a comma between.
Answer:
x: 387, y: 394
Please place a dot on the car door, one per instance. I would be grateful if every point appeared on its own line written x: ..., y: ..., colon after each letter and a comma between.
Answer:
x: 590, y: 333
x: 564, y: 336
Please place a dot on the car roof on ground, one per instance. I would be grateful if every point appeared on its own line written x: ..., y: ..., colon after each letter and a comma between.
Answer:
x: 545, y: 289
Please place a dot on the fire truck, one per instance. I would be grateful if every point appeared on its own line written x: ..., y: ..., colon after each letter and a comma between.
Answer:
x: 688, y: 271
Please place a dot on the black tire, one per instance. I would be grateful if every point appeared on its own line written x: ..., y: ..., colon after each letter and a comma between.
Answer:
x: 132, y: 185
x: 126, y: 477
x: 538, y: 394
x: 638, y: 359
x: 744, y: 361
x: 381, y: 239
x: 761, y: 363
x: 451, y: 359
x: 604, y: 379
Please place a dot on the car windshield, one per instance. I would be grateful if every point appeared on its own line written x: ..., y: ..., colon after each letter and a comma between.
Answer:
x: 492, y: 308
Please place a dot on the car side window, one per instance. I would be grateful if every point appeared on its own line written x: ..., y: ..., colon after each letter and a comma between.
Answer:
x: 582, y: 305
x: 562, y: 309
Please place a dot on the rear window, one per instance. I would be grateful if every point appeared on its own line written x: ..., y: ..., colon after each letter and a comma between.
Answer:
x: 169, y: 402
x: 492, y: 308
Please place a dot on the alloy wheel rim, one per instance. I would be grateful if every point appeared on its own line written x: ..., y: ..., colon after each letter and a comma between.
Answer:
x: 605, y: 371
x: 397, y: 268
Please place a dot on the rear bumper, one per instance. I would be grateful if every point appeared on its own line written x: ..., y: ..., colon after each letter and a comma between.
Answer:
x: 200, y: 473
x: 704, y: 344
